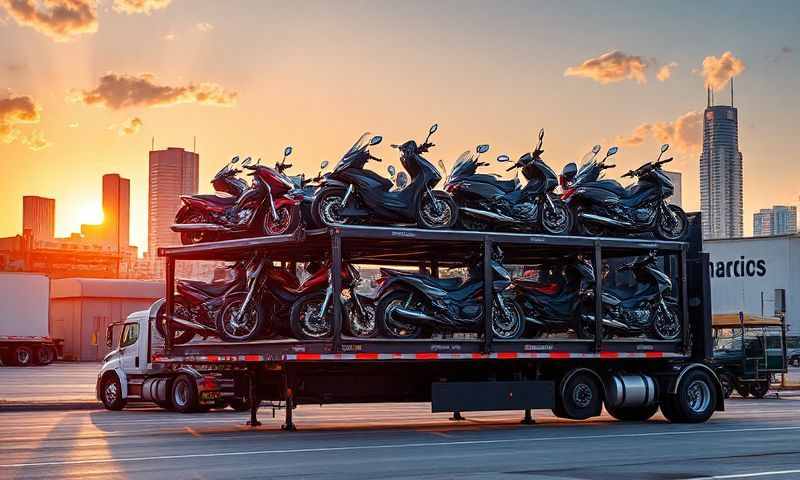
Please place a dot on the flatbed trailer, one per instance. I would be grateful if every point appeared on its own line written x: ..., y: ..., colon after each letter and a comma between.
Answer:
x: 574, y: 377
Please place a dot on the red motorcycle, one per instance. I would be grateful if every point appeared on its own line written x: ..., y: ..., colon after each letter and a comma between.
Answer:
x: 270, y: 206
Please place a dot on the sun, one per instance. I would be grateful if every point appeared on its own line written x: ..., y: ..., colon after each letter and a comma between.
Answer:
x: 90, y: 214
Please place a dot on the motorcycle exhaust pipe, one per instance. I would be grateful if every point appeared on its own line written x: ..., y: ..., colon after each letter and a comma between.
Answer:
x: 197, y: 227
x: 608, y: 323
x: 413, y: 316
x: 591, y: 217
x: 488, y: 215
x: 191, y: 325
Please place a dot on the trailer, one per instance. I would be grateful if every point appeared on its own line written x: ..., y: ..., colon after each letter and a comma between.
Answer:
x: 631, y: 377
x: 24, y: 324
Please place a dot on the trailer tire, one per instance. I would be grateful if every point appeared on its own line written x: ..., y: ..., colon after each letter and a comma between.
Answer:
x: 22, y: 356
x: 580, y: 396
x: 633, y: 414
x: 694, y: 401
x: 183, y: 394
x: 44, y: 355
x: 111, y: 392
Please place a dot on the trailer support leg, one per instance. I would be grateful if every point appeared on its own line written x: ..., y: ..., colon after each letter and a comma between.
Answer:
x: 457, y: 416
x: 528, y: 420
x: 289, y: 426
x: 251, y: 396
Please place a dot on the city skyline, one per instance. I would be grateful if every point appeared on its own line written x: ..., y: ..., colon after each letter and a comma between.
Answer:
x: 577, y: 74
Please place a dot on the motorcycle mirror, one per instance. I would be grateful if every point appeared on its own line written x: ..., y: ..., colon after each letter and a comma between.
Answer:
x: 287, y: 151
x: 503, y: 158
x: 596, y: 149
x: 259, y: 161
x: 611, y: 151
x: 323, y: 165
x: 433, y: 129
x: 664, y: 147
x: 375, y: 140
x: 247, y: 161
x: 235, y: 159
x: 402, y: 180
x: 483, y: 148
x: 541, y: 134
x: 392, y: 170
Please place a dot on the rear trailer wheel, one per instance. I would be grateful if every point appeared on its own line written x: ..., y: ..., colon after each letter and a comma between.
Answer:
x: 111, y: 392
x: 694, y: 401
x: 183, y: 395
x: 44, y: 355
x: 633, y: 414
x: 438, y: 213
x: 23, y: 356
x: 580, y: 396
x: 391, y: 327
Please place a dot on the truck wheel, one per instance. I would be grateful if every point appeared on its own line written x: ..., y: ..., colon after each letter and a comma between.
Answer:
x: 184, y: 394
x: 111, y: 393
x: 633, y: 414
x: 759, y: 389
x: 44, y: 355
x: 23, y: 356
x: 579, y: 397
x: 694, y: 401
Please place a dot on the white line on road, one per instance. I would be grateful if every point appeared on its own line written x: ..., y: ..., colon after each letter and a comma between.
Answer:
x: 746, y: 475
x: 392, y: 446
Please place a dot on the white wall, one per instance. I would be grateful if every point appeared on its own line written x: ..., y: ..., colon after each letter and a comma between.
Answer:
x: 744, y: 268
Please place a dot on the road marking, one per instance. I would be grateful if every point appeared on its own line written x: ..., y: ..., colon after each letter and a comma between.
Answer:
x: 746, y: 475
x: 398, y: 445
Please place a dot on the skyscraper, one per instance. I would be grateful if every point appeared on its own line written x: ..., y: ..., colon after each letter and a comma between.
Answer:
x: 39, y: 216
x: 762, y: 223
x: 778, y: 220
x: 721, y: 172
x: 173, y: 172
x: 677, y: 196
x: 116, y: 211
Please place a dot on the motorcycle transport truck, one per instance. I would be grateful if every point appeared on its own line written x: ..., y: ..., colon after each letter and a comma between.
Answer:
x: 573, y: 371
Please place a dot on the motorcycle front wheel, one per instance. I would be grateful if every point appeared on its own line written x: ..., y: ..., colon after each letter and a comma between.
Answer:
x: 508, y: 323
x: 286, y: 223
x: 358, y: 324
x: 233, y: 327
x: 557, y: 220
x: 307, y: 321
x: 327, y: 205
x: 666, y: 324
x: 439, y: 214
x: 669, y: 228
x: 388, y: 326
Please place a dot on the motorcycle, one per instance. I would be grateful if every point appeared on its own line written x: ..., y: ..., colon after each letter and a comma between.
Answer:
x: 213, y: 309
x: 270, y: 206
x: 411, y: 304
x: 486, y: 202
x: 602, y: 205
x: 308, y: 188
x: 353, y: 194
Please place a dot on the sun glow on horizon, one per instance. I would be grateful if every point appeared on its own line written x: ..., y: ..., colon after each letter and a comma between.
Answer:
x: 90, y: 214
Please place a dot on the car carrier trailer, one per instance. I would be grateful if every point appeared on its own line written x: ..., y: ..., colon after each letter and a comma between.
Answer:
x: 574, y: 377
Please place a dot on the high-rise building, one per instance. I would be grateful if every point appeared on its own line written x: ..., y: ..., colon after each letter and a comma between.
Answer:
x: 117, y: 210
x: 778, y: 220
x: 173, y: 172
x: 39, y: 216
x: 721, y: 172
x: 762, y: 223
x: 677, y: 197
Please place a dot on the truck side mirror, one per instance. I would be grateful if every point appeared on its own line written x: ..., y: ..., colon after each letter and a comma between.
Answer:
x: 110, y: 336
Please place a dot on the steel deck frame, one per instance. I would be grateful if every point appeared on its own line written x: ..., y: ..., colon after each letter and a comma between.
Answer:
x: 433, y: 249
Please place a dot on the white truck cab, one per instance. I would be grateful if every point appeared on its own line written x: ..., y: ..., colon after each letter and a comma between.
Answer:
x: 128, y: 373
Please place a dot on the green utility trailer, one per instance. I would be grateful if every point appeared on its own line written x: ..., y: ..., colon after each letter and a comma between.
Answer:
x: 748, y: 351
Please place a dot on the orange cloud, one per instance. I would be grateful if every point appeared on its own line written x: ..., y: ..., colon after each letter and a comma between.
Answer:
x: 130, y: 126
x: 717, y: 71
x: 117, y: 91
x: 684, y: 134
x: 611, y: 67
x: 204, y: 27
x: 15, y: 111
x: 139, y: 6
x: 36, y: 141
x: 665, y: 72
x: 61, y: 20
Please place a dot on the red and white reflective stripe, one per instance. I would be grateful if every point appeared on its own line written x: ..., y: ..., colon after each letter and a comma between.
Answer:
x: 304, y: 357
x: 211, y: 358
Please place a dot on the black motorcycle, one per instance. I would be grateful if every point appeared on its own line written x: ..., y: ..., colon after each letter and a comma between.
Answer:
x: 411, y: 304
x: 603, y: 205
x: 488, y: 203
x: 353, y: 194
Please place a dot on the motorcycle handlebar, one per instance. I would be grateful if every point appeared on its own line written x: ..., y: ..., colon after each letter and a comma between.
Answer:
x: 250, y: 167
x: 661, y: 162
x: 609, y: 166
x: 512, y: 167
x: 374, y: 158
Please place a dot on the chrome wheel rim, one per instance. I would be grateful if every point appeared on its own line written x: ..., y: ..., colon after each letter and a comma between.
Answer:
x: 582, y: 395
x: 312, y: 323
x: 433, y: 219
x: 242, y: 328
x: 555, y: 219
x: 509, y: 321
x: 111, y: 393
x: 698, y: 396
x: 666, y: 324
x: 329, y: 210
x: 672, y: 229
x: 363, y: 325
x: 181, y: 394
x: 279, y: 226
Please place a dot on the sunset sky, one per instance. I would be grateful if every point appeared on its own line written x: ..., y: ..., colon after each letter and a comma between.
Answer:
x: 85, y: 86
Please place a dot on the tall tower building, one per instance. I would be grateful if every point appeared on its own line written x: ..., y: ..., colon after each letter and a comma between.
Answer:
x: 721, y: 172
x: 173, y: 172
x: 762, y: 223
x: 39, y: 216
x: 116, y: 211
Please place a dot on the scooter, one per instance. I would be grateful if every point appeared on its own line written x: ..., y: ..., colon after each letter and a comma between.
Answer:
x: 352, y: 194
x: 602, y: 205
x: 411, y: 304
x: 488, y: 203
x: 270, y: 206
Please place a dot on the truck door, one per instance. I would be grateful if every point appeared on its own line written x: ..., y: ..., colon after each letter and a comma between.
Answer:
x: 129, y: 348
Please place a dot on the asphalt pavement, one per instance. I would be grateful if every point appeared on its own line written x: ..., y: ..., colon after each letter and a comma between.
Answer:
x: 751, y: 439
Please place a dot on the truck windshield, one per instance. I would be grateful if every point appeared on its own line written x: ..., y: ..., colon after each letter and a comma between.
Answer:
x: 129, y: 334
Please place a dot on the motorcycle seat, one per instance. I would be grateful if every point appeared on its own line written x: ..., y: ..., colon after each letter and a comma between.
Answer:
x: 550, y: 288
x: 217, y: 199
x: 505, y: 185
x: 615, y: 187
x: 387, y: 184
x: 213, y: 288
x: 448, y: 284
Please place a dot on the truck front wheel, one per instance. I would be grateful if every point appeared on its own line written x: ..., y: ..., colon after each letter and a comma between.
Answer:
x: 184, y: 395
x: 111, y: 393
